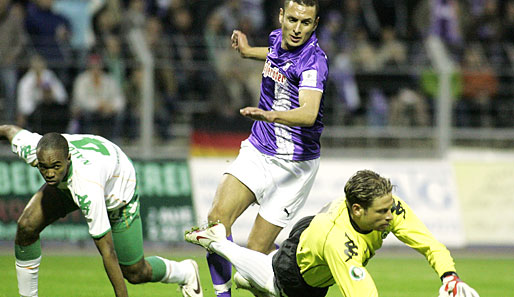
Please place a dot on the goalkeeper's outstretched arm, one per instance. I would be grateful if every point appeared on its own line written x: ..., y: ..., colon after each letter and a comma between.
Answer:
x: 453, y: 286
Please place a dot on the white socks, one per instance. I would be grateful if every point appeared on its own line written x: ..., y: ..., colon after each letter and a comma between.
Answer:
x: 254, y: 266
x: 223, y: 287
x: 176, y: 272
x: 27, y: 273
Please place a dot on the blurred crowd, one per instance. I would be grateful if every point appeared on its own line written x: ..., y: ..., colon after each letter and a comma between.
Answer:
x: 71, y: 65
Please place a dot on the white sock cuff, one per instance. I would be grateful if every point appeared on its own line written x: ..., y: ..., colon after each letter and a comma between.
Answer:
x: 27, y: 275
x: 223, y: 287
x: 28, y: 263
x: 176, y: 272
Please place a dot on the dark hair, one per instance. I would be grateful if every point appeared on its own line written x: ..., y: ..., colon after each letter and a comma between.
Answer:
x: 305, y: 3
x: 53, y: 141
x: 365, y: 186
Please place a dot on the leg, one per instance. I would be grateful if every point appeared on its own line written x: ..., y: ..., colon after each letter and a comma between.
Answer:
x: 232, y: 198
x: 157, y: 269
x: 255, y: 267
x: 44, y: 208
x: 287, y: 192
x: 137, y: 269
x: 263, y: 235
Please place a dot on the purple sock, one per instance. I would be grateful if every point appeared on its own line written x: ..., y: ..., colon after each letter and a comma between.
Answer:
x: 221, y: 270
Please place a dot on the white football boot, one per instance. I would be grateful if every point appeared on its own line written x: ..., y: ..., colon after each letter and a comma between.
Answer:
x: 192, y: 287
x: 204, y: 236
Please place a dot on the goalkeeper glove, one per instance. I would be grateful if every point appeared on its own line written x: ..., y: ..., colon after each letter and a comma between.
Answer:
x: 453, y: 286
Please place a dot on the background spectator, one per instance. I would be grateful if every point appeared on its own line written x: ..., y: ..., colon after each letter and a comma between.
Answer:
x: 50, y: 35
x: 364, y: 54
x: 334, y: 40
x: 12, y: 42
x: 408, y: 109
x: 508, y: 22
x: 107, y: 21
x: 189, y: 54
x: 114, y: 58
x: 391, y: 53
x: 479, y: 86
x: 80, y: 15
x: 162, y: 118
x: 376, y: 51
x: 377, y: 108
x: 241, y: 80
x: 42, y: 99
x: 98, y: 102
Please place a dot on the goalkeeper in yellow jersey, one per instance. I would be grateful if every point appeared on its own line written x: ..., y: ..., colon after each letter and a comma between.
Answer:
x: 335, y: 245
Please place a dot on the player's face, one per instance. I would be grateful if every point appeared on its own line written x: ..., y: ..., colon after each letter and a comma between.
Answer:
x: 53, y: 166
x: 298, y: 22
x: 378, y: 215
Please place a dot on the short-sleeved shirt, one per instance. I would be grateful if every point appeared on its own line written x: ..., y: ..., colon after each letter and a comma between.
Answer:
x: 285, y: 74
x: 332, y: 251
x: 100, y: 181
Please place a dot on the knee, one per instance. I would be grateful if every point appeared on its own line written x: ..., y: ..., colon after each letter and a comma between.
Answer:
x: 26, y: 229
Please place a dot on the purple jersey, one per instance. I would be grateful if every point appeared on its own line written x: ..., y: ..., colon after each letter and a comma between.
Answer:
x: 285, y: 74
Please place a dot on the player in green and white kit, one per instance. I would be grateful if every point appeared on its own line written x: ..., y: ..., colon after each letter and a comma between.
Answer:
x: 89, y: 173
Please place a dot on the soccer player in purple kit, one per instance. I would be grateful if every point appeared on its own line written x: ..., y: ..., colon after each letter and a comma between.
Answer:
x: 277, y: 164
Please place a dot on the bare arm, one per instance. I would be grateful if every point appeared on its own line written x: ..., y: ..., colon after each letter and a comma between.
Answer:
x: 105, y: 246
x: 240, y: 43
x: 8, y: 131
x: 303, y: 116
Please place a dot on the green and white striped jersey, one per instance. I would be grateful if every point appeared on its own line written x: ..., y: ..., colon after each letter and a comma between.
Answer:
x: 101, y: 179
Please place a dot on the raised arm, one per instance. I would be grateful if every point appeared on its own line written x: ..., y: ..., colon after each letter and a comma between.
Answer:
x: 303, y: 116
x: 8, y: 131
x: 240, y: 43
x: 105, y: 246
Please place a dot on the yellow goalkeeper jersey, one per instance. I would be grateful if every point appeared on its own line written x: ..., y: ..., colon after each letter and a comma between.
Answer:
x: 332, y: 251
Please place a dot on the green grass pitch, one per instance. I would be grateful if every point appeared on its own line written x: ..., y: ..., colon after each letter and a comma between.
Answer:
x: 395, y: 276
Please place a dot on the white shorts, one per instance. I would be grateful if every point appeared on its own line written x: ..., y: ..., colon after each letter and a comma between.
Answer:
x: 280, y: 186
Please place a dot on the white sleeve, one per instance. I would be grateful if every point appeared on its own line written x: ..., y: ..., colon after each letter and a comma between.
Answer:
x: 89, y: 196
x: 24, y: 144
